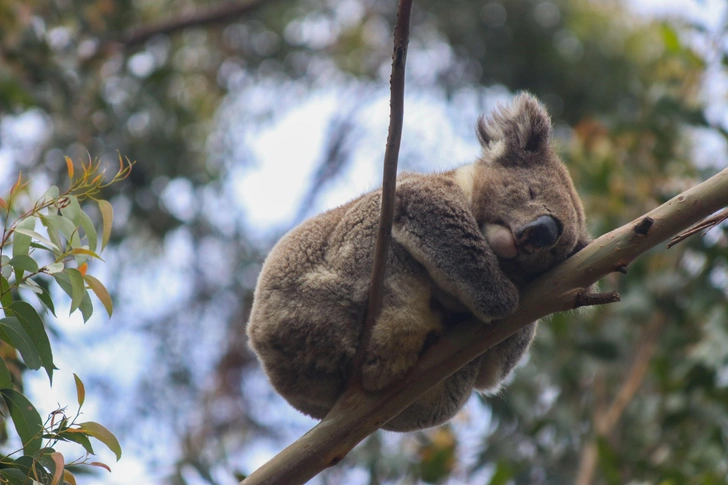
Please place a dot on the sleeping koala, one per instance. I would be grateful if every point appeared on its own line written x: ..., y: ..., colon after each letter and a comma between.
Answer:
x: 464, y: 242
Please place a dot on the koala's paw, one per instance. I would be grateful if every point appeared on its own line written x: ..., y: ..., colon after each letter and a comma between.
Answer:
x: 498, y: 302
x: 378, y: 373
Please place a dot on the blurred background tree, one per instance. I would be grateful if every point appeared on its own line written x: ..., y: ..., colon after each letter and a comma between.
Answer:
x: 246, y: 117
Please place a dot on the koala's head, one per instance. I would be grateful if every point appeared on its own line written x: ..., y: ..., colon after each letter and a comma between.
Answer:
x: 523, y: 197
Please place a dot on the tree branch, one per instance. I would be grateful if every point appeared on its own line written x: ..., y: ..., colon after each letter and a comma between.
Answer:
x: 357, y: 414
x: 226, y: 12
x: 389, y: 181
x: 605, y: 419
x: 707, y: 224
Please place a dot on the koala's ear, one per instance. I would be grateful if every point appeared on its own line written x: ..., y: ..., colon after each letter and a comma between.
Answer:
x: 524, y: 124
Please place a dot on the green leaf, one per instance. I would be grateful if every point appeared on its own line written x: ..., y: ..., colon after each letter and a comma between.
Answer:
x: 53, y: 234
x: 87, y: 252
x: 80, y: 390
x: 90, y: 230
x: 6, y: 380
x: 36, y: 330
x: 72, y: 210
x: 60, y: 224
x: 46, y: 300
x: 13, y: 476
x: 75, y: 241
x: 86, y: 307
x: 76, y: 436
x: 6, y: 297
x: 50, y: 195
x: 54, y: 268
x: 21, y: 241
x: 107, y: 218
x: 31, y: 285
x: 103, y: 435
x: 34, y: 235
x: 16, y: 335
x: 64, y: 282
x: 53, y: 462
x: 21, y: 263
x: 7, y: 270
x: 78, y: 289
x: 33, y: 468
x: 26, y: 420
x: 36, y: 245
x: 101, y: 293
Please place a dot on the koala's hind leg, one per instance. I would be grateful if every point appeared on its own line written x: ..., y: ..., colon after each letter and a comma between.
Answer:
x: 439, y: 404
x: 404, y: 327
x: 498, y: 363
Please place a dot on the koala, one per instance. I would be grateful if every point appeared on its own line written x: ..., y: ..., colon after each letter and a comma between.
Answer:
x: 464, y: 242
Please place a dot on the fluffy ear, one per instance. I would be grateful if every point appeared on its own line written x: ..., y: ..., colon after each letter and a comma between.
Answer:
x: 525, y: 124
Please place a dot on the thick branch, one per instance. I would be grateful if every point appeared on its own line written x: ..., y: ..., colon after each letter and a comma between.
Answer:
x: 358, y: 414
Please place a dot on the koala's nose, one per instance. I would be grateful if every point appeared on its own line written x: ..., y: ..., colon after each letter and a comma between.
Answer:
x: 539, y: 234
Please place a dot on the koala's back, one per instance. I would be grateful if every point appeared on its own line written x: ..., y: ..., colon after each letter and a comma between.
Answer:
x: 310, y: 301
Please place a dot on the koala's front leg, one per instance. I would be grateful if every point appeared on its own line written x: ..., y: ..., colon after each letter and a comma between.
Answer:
x: 433, y: 222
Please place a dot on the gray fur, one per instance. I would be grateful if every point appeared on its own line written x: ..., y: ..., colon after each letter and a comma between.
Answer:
x: 311, y: 295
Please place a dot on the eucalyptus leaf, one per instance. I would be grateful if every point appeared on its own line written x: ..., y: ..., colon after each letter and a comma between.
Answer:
x: 6, y: 379
x: 26, y: 420
x: 72, y: 210
x: 90, y: 230
x: 21, y: 240
x: 18, y: 337
x: 35, y: 328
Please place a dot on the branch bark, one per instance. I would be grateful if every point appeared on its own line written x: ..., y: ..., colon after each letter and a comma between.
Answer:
x: 389, y: 181
x: 357, y: 414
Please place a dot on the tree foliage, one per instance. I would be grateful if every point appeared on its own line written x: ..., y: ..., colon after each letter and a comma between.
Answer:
x: 29, y: 262
x: 639, y: 387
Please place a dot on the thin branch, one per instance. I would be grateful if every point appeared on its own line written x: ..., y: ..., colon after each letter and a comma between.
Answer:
x: 358, y: 414
x: 386, y: 216
x: 605, y: 420
x: 224, y: 13
x: 587, y: 298
x: 707, y: 224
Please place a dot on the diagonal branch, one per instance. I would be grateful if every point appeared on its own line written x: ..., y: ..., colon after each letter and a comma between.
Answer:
x: 707, y: 224
x: 357, y: 414
x: 605, y: 418
x: 219, y: 14
x: 223, y: 13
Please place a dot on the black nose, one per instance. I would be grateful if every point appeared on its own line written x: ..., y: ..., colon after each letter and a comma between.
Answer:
x: 539, y: 234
